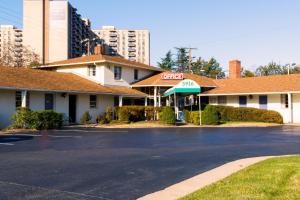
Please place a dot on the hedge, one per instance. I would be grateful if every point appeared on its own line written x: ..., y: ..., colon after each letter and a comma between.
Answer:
x: 167, y: 115
x: 46, y: 119
x: 228, y: 113
x: 137, y: 113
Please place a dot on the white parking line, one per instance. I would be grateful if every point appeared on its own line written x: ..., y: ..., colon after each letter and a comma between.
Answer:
x: 90, y: 131
x: 7, y: 144
x: 63, y: 136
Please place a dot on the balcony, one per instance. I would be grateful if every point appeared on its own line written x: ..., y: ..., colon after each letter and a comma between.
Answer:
x: 113, y: 44
x: 132, y: 50
x: 132, y: 45
x: 131, y: 40
x: 113, y: 39
x: 18, y: 40
x: 131, y: 34
x: 132, y: 54
x: 113, y: 34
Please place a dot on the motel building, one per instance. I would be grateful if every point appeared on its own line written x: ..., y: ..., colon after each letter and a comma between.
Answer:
x: 93, y: 83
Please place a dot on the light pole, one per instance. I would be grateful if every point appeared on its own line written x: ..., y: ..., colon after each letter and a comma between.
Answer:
x: 88, y: 40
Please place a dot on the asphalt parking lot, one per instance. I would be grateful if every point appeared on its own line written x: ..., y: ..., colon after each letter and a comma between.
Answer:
x: 126, y: 163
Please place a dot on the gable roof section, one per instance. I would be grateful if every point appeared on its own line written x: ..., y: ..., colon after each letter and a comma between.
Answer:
x: 98, y: 59
x: 157, y: 81
x: 40, y: 80
x: 257, y: 85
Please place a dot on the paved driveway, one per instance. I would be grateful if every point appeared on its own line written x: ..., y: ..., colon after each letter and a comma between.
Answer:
x: 126, y: 164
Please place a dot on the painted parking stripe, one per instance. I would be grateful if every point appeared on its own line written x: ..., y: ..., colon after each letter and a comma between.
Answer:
x: 7, y: 144
x: 90, y: 131
x: 63, y: 136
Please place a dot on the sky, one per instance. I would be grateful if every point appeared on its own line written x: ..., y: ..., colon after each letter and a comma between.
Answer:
x: 253, y: 31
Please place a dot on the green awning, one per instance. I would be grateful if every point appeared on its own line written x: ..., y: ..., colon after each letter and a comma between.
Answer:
x: 185, y: 86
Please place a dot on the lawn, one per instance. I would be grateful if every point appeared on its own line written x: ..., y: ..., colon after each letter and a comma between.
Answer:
x: 276, y: 178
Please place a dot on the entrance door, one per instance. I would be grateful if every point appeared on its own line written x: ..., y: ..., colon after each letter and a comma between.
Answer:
x: 72, y: 108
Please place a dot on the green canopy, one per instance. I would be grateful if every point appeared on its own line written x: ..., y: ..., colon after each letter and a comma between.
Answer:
x: 185, y: 86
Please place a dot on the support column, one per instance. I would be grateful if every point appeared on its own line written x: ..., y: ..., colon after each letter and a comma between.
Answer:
x: 24, y: 96
x: 175, y: 105
x: 290, y: 100
x: 200, y: 113
x: 120, y: 101
x: 146, y: 101
x: 155, y: 96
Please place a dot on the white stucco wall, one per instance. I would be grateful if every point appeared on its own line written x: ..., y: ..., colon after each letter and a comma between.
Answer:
x: 105, y: 74
x: 296, y: 108
x: 7, y: 107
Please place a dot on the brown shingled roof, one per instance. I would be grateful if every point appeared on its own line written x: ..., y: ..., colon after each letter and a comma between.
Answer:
x: 264, y: 84
x: 157, y: 81
x: 40, y: 80
x: 100, y: 58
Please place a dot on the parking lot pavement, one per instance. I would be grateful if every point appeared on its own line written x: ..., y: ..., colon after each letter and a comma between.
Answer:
x: 89, y: 163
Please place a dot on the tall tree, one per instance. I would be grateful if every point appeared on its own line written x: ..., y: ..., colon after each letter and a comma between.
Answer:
x: 167, y: 63
x: 182, y: 60
x: 210, y: 68
x: 247, y: 73
x: 271, y: 69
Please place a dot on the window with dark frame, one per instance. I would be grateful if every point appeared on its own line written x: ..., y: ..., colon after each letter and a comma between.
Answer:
x: 222, y: 100
x: 49, y: 101
x: 263, y: 102
x: 18, y: 99
x: 93, y: 101
x: 92, y: 70
x: 136, y: 74
x: 117, y: 73
x: 284, y: 101
x: 243, y: 101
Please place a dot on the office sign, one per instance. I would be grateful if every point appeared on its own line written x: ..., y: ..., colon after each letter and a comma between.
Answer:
x: 172, y: 76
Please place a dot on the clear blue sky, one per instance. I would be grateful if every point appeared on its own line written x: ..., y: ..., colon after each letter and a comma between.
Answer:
x: 254, y: 31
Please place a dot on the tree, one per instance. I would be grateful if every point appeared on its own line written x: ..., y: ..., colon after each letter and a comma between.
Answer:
x: 271, y: 69
x: 182, y: 60
x: 247, y: 73
x: 14, y: 56
x: 167, y: 63
x: 210, y: 68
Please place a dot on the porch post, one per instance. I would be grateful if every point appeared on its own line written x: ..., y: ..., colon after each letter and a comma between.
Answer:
x: 200, y: 113
x: 290, y: 100
x: 146, y: 101
x: 155, y: 96
x: 24, y: 95
x: 175, y: 106
x: 120, y: 101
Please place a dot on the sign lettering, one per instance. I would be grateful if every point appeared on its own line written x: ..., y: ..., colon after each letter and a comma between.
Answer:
x: 172, y: 76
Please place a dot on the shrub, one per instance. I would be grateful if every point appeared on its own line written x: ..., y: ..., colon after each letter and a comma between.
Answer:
x: 101, y: 120
x: 210, y: 116
x: 167, y: 115
x: 109, y: 114
x: 194, y: 117
x: 186, y: 116
x: 46, y: 119
x: 86, y: 118
x: 131, y: 113
x: 22, y: 118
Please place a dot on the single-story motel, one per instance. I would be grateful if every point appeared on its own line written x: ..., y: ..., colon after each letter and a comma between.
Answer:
x: 93, y: 83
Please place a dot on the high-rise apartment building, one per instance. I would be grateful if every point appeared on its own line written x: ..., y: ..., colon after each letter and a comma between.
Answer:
x: 54, y: 29
x: 131, y: 44
x: 11, y: 40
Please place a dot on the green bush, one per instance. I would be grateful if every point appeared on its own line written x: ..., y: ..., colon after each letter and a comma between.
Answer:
x: 109, y: 114
x: 186, y: 116
x: 167, y: 116
x: 221, y: 114
x: 22, y: 118
x: 47, y: 119
x: 101, y: 120
x: 86, y: 118
x: 210, y: 116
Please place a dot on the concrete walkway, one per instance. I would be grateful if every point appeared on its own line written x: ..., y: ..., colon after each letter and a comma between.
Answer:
x: 197, y: 182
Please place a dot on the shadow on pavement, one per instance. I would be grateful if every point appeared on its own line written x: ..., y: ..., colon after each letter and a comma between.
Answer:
x: 14, y: 138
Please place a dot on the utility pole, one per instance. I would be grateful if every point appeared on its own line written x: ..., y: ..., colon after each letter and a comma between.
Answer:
x: 189, y: 55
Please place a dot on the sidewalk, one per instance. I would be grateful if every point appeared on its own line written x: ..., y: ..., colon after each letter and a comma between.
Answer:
x: 197, y: 182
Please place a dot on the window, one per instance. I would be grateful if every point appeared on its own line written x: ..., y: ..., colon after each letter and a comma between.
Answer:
x: 49, y: 101
x: 118, y: 73
x: 243, y: 101
x: 92, y: 70
x: 222, y: 100
x: 18, y: 99
x: 213, y: 100
x: 93, y: 101
x: 284, y: 101
x: 136, y: 74
x: 263, y: 102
